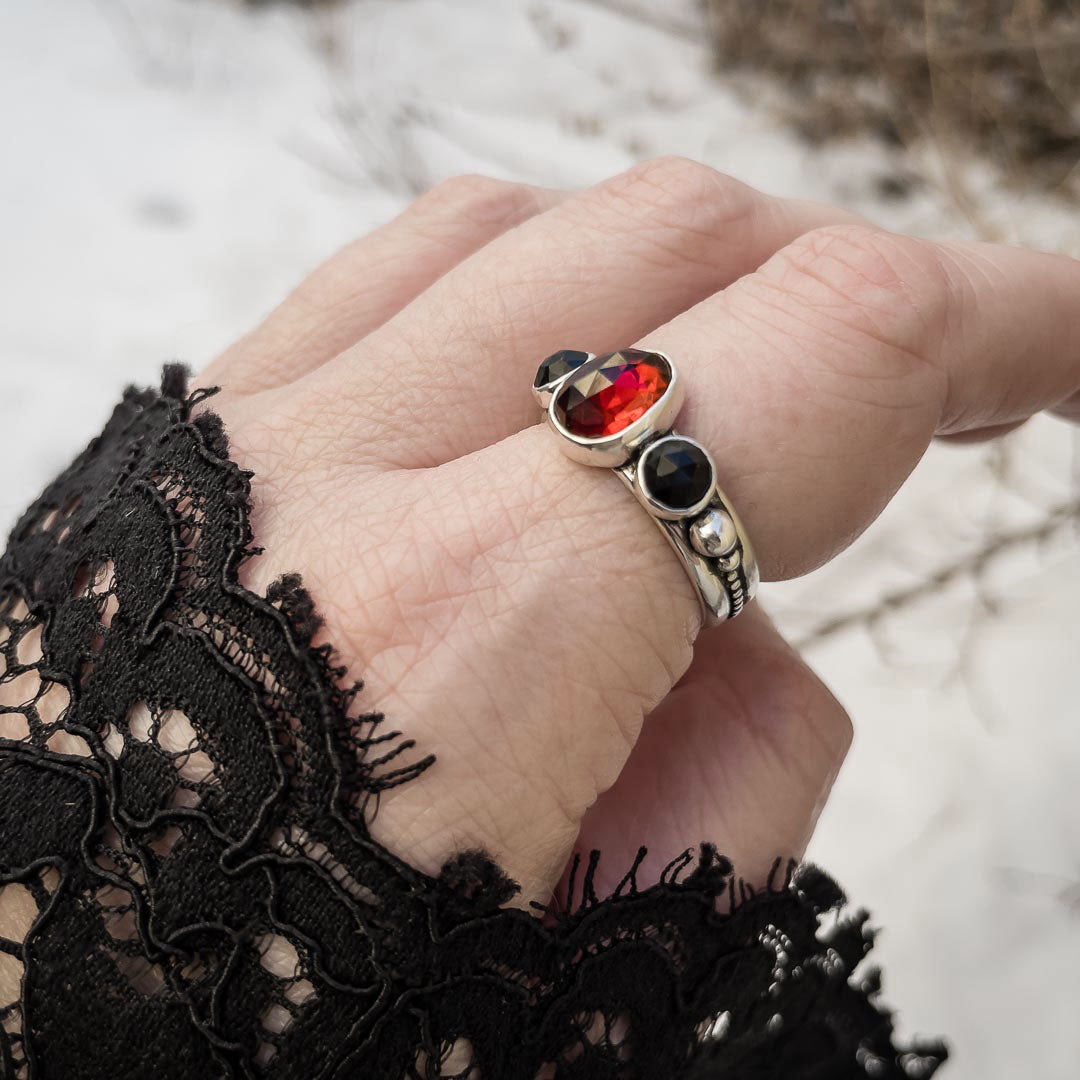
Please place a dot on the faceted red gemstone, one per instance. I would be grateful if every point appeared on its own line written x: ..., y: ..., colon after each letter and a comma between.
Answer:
x: 611, y: 397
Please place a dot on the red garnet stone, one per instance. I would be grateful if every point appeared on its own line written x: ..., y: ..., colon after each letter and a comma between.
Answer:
x: 610, y: 397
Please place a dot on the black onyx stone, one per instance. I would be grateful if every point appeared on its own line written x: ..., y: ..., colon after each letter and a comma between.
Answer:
x: 676, y: 474
x: 558, y: 365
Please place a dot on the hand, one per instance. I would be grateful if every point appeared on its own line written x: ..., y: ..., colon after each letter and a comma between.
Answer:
x: 518, y: 614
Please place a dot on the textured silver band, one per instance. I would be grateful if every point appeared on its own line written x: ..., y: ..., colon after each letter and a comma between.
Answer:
x: 726, y: 582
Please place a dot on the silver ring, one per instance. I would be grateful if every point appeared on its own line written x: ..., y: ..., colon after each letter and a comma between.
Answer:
x: 618, y: 410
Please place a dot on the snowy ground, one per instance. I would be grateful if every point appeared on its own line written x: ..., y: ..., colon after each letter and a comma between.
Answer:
x: 170, y: 167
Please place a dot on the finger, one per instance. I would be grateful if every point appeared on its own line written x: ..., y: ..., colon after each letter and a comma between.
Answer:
x: 373, y: 278
x: 595, y: 272
x: 819, y: 381
x: 741, y: 754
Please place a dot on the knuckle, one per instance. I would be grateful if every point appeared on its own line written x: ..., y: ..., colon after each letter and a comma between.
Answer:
x: 895, y: 290
x: 682, y: 191
x: 480, y: 200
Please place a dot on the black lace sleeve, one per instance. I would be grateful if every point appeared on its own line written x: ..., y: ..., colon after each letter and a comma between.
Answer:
x: 190, y: 885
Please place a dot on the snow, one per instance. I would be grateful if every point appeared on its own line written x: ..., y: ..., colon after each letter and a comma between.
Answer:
x: 171, y: 167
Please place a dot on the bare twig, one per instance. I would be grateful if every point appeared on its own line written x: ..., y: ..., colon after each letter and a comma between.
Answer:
x: 652, y: 17
x: 974, y: 564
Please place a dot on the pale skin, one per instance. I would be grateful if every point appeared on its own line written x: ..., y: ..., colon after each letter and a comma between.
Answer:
x: 518, y: 614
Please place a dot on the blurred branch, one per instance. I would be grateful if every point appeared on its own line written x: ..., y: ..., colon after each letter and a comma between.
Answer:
x: 652, y: 17
x: 1063, y: 887
x: 974, y: 564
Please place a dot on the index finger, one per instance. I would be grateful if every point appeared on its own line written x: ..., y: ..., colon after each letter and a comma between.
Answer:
x: 819, y: 381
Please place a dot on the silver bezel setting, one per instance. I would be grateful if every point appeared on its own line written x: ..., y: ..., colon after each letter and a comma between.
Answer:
x: 543, y: 394
x: 611, y: 451
x: 725, y: 582
x: 654, y: 506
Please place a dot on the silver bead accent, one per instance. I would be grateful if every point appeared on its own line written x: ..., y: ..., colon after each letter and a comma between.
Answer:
x: 730, y: 561
x: 713, y: 534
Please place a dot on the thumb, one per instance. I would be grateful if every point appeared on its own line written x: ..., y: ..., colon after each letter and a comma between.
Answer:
x: 742, y: 753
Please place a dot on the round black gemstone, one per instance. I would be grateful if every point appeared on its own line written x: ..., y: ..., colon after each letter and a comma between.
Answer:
x: 676, y: 474
x: 557, y: 365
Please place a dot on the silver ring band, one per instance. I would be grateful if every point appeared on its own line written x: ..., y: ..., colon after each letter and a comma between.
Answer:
x: 617, y: 410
